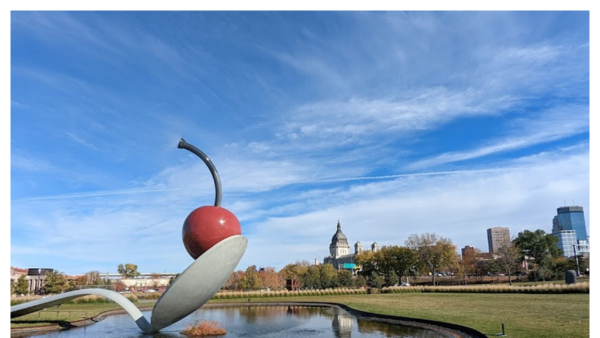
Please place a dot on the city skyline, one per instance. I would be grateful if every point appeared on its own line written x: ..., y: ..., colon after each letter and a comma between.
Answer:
x: 387, y: 121
x: 352, y: 249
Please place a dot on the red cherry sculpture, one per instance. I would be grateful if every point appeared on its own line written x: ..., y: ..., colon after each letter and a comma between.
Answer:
x: 207, y: 225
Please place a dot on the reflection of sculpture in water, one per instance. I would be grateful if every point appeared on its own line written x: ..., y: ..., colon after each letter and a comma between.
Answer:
x: 341, y: 323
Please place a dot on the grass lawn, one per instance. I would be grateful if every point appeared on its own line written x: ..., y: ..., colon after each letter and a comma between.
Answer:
x: 67, y: 313
x: 524, y: 315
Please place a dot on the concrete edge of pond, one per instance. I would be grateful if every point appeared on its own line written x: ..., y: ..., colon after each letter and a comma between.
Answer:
x: 452, y: 330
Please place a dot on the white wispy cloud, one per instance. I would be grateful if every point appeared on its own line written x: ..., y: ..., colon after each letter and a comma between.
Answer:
x: 30, y: 165
x: 547, y: 126
x: 385, y: 210
x: 460, y: 207
x: 309, y: 118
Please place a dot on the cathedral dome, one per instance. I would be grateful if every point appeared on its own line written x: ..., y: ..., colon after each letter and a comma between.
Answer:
x: 338, y: 237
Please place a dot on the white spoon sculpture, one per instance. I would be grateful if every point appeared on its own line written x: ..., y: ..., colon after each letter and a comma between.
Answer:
x: 194, y: 286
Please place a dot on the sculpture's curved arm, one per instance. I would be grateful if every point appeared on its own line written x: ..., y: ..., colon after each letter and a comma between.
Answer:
x: 40, y: 304
x: 186, y: 294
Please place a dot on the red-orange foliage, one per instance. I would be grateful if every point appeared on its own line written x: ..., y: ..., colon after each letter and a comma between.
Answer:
x: 203, y: 328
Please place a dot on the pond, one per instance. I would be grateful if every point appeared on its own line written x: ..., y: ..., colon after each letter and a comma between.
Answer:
x: 277, y: 321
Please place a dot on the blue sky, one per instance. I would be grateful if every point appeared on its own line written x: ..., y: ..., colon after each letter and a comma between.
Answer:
x: 393, y: 123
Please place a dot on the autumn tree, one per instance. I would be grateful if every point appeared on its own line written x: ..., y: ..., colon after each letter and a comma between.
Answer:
x: 250, y: 279
x: 269, y: 278
x: 21, y: 287
x: 470, y: 261
x: 55, y: 282
x: 458, y: 269
x: 232, y: 282
x: 367, y: 262
x: 120, y: 286
x: 433, y: 252
x: 396, y: 260
x: 80, y: 280
x: 128, y: 270
x: 294, y: 271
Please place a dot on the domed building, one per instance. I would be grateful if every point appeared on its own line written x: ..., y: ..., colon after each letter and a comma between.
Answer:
x: 339, y: 250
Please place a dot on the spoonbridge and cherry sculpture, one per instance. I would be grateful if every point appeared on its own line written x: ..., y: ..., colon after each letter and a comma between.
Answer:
x: 211, y: 235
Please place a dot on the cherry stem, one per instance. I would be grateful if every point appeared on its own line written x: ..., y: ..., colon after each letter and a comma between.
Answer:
x: 184, y: 145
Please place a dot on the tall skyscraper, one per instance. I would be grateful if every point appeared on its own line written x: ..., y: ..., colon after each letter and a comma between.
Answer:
x: 497, y: 237
x: 569, y: 226
x: 570, y: 218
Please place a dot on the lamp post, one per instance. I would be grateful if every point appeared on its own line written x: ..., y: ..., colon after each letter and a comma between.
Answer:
x: 39, y: 286
x: 576, y: 260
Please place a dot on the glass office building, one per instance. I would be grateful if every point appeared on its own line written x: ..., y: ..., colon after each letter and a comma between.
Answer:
x: 569, y: 227
x: 570, y: 218
x: 567, y: 241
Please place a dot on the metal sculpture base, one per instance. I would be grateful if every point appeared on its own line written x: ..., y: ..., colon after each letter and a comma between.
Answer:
x: 194, y: 287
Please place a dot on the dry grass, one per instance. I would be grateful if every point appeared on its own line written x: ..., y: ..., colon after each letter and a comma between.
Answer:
x: 549, y: 288
x: 286, y: 293
x: 203, y: 328
x: 495, y: 288
x: 14, y: 300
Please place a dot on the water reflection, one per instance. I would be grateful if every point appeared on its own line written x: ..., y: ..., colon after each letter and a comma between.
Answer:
x: 342, y: 323
x: 276, y: 321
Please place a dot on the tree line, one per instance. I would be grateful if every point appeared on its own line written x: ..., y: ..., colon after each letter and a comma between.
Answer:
x: 533, y: 253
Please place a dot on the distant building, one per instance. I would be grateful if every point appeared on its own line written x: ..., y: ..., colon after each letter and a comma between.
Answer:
x: 339, y: 250
x: 497, y: 238
x: 569, y: 227
x: 570, y: 218
x: 35, y: 277
x: 467, y: 251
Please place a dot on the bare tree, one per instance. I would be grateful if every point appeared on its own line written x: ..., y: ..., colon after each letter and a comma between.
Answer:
x: 509, y: 258
x: 93, y: 278
x: 269, y: 278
